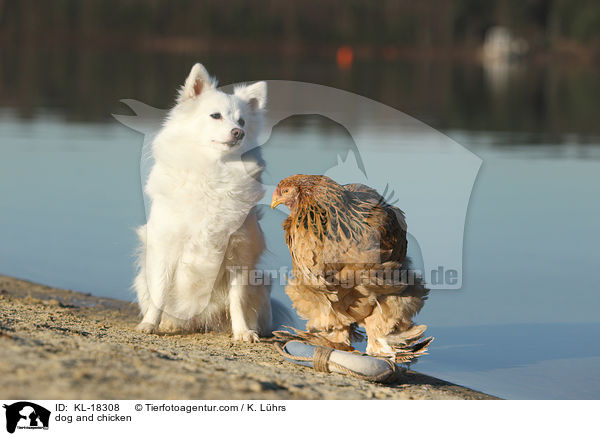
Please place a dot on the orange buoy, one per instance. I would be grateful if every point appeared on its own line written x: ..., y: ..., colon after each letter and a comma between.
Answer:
x: 344, y: 57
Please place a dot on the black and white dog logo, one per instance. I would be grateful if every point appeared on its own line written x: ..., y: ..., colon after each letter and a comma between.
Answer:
x: 26, y: 415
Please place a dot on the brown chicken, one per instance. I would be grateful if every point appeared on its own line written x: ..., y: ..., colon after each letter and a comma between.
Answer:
x: 348, y: 247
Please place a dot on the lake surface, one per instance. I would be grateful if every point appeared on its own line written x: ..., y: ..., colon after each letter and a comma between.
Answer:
x: 525, y: 324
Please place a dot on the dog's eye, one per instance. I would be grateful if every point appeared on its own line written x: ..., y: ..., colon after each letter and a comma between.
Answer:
x: 216, y: 116
x: 241, y: 122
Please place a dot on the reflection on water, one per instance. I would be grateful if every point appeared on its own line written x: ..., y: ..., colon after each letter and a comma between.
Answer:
x: 524, y: 325
x: 87, y: 86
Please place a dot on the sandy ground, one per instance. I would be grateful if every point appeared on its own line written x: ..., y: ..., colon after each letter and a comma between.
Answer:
x: 61, y: 344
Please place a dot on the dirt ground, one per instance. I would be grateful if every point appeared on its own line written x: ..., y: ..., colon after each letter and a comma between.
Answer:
x: 61, y: 344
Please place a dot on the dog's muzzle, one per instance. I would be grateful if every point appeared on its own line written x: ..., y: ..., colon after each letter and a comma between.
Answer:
x: 236, y: 137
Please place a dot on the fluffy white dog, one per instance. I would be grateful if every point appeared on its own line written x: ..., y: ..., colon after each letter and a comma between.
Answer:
x: 203, y: 231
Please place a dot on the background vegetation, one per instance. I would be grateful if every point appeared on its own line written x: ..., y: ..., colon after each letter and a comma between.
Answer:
x: 79, y: 58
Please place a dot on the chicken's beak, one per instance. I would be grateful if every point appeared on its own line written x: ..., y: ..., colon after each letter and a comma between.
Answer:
x: 276, y: 201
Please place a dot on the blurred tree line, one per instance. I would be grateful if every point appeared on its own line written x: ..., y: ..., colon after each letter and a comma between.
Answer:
x: 407, y: 23
x: 78, y: 58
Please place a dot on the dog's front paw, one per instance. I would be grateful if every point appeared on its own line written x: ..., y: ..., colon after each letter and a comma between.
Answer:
x: 246, y: 336
x: 146, y: 327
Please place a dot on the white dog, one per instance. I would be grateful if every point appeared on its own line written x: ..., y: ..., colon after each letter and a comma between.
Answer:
x: 203, y: 231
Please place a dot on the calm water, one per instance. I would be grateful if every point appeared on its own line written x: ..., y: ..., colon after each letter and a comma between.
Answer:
x: 524, y: 325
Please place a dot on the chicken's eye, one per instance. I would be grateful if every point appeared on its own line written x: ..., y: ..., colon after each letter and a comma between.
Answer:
x: 241, y: 122
x: 286, y: 190
x: 216, y: 116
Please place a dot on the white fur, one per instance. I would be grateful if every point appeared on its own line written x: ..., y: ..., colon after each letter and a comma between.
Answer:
x: 202, y: 224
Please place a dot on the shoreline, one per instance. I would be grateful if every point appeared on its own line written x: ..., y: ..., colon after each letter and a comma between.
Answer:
x: 62, y: 344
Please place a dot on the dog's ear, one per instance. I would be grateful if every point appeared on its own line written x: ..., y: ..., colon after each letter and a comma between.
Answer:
x: 255, y: 95
x: 196, y: 83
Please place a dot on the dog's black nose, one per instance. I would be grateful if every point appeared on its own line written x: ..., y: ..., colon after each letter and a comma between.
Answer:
x: 237, y: 134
